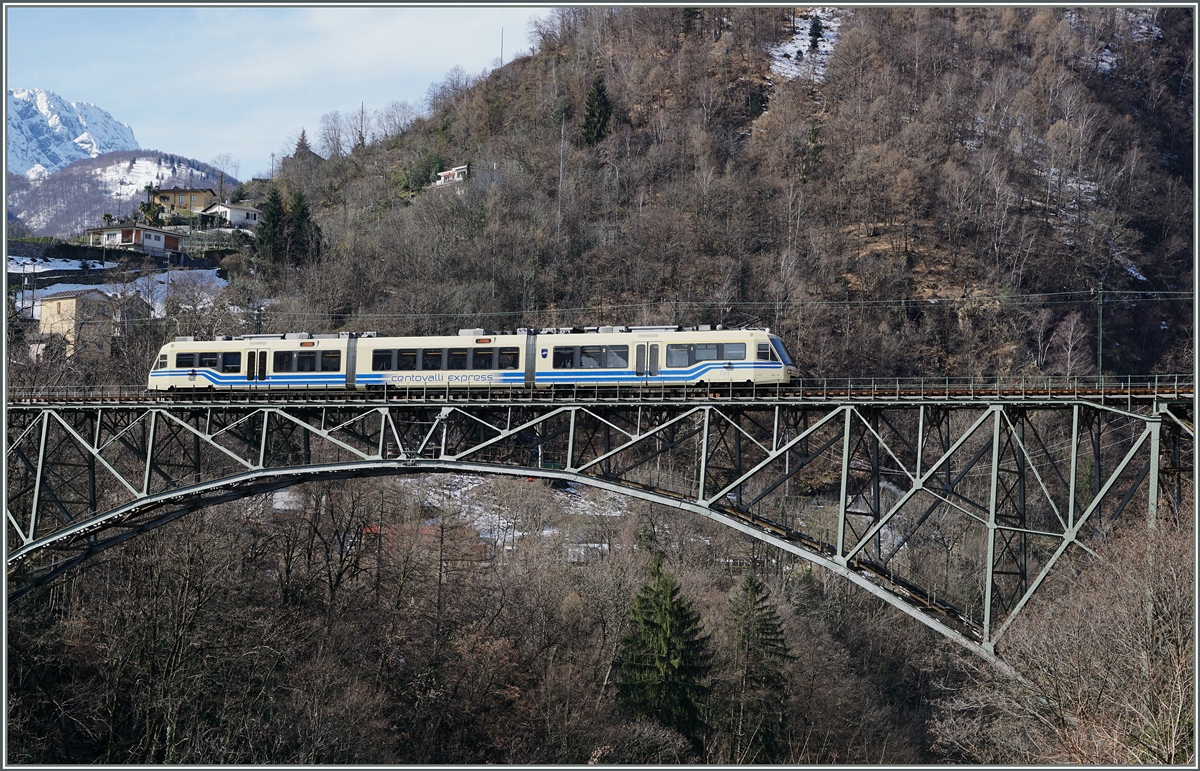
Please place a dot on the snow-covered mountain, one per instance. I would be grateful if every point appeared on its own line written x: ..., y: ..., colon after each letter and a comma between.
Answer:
x: 75, y: 198
x: 46, y: 133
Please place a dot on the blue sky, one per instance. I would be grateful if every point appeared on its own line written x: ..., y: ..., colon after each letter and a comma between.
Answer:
x: 200, y: 81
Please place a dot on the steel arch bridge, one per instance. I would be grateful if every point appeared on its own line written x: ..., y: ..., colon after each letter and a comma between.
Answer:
x: 952, y: 500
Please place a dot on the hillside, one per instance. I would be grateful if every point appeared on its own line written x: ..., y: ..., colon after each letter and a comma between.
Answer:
x: 68, y: 201
x: 950, y: 171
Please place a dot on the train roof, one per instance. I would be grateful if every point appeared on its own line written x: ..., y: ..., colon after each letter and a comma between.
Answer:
x: 521, y: 331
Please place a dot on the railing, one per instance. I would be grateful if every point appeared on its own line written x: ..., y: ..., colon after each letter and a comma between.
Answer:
x: 1108, y: 388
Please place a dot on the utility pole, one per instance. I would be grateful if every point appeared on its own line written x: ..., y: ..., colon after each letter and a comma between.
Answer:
x: 1100, y: 332
x: 502, y: 46
x: 562, y: 144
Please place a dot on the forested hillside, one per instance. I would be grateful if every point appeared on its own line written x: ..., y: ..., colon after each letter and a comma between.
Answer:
x: 943, y: 202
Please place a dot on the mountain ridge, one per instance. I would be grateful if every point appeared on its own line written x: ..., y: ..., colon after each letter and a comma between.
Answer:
x: 46, y: 133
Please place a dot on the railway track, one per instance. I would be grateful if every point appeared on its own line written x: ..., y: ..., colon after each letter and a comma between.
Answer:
x: 1115, y: 391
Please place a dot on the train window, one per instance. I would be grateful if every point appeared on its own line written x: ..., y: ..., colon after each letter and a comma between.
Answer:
x: 431, y: 358
x: 381, y: 360
x: 591, y: 357
x: 564, y: 357
x: 677, y: 355
x: 456, y: 358
x: 331, y: 361
x: 733, y: 351
x: 306, y: 361
x: 618, y: 357
x: 705, y: 351
x: 406, y: 359
x: 209, y: 360
x: 780, y: 351
x: 764, y: 351
x: 481, y: 358
x: 231, y: 361
x: 185, y: 360
x: 509, y: 358
x: 284, y: 361
x: 161, y: 363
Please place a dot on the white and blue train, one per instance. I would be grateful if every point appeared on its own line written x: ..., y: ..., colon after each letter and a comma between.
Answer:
x: 606, y: 356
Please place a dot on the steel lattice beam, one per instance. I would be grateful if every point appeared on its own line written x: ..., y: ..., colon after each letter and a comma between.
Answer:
x: 901, y: 496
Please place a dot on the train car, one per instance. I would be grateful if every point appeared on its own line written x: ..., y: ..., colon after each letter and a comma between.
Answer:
x: 595, y: 356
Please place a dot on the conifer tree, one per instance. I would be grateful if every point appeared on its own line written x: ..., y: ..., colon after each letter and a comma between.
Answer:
x: 814, y: 33
x: 270, y: 238
x: 664, y: 659
x: 303, y: 235
x: 302, y: 144
x: 756, y: 701
x: 597, y: 111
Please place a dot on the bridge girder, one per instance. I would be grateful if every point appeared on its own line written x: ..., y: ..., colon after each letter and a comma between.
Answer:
x: 954, y: 512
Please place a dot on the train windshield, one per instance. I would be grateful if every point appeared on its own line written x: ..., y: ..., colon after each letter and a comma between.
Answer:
x: 781, y: 351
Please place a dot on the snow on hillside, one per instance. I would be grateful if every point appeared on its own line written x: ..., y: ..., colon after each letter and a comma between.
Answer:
x: 47, y: 133
x: 794, y: 59
x: 75, y: 198
x: 128, y: 179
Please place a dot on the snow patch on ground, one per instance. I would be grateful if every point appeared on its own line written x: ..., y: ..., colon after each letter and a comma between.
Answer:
x: 794, y: 59
x: 42, y: 265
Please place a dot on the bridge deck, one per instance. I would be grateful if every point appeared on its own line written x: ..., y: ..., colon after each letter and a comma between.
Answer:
x: 1109, y: 390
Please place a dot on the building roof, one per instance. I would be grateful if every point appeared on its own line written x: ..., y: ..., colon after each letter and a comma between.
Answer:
x: 71, y: 293
x: 238, y: 206
x: 130, y: 226
x: 174, y: 189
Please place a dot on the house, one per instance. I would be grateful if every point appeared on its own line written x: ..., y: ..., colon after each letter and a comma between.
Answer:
x: 483, y: 178
x: 136, y: 236
x: 179, y: 199
x: 236, y: 214
x: 89, y: 320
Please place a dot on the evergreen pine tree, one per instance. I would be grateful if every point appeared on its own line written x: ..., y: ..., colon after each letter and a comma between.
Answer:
x: 303, y: 235
x: 301, y: 145
x: 757, y: 702
x: 597, y: 111
x: 664, y: 659
x: 270, y: 238
x: 815, y: 30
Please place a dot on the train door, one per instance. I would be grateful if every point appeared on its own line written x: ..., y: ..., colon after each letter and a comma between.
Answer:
x: 644, y: 368
x: 256, y: 367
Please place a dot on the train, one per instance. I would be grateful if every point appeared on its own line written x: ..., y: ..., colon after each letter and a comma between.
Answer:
x: 475, y: 358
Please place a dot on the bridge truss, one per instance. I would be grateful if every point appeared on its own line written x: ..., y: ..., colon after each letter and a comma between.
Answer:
x: 953, y: 506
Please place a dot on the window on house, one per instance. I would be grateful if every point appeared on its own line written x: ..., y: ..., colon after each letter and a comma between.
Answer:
x: 193, y: 199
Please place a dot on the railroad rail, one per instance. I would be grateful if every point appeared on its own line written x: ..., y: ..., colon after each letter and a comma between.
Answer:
x: 1106, y: 390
